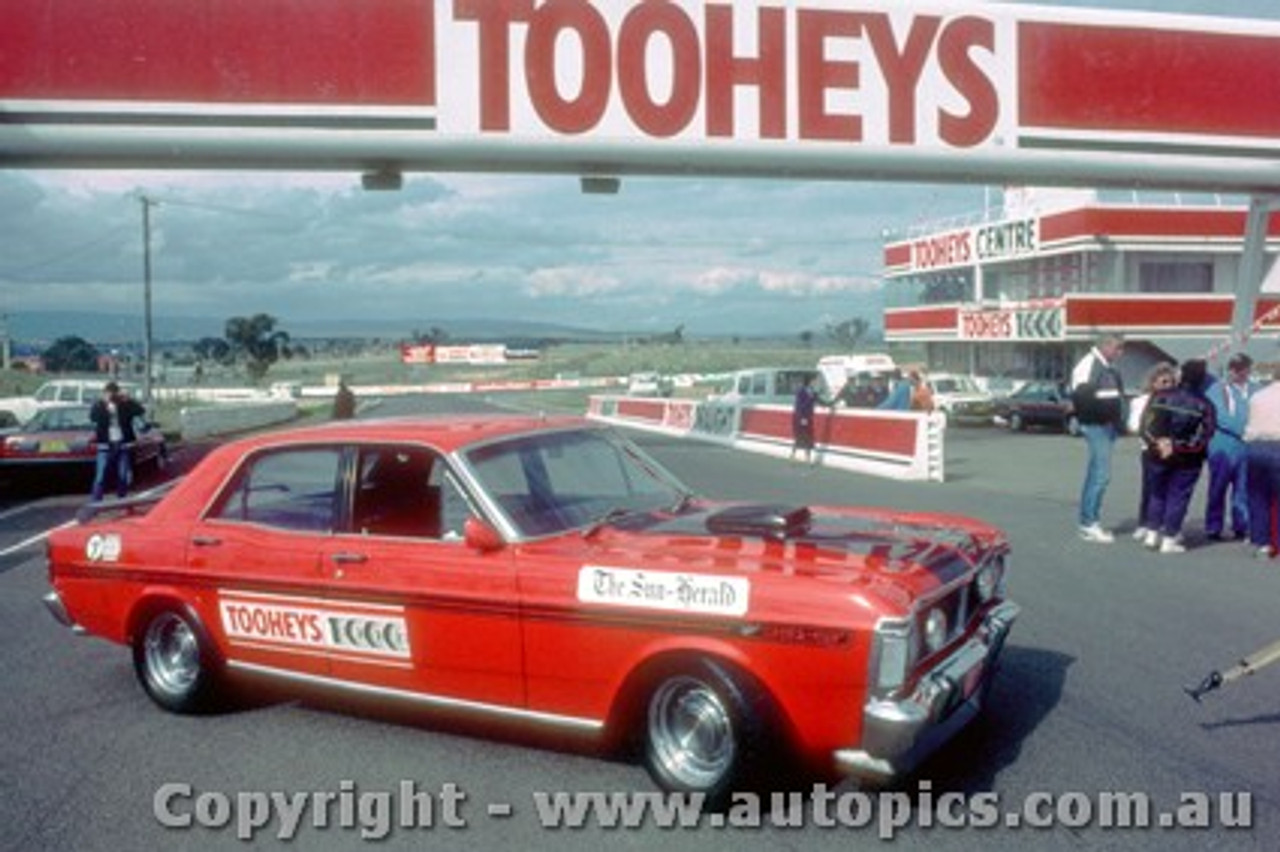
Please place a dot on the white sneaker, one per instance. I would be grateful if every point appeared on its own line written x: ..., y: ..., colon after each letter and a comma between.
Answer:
x: 1095, y: 532
x: 1151, y: 539
x: 1140, y: 533
x: 1172, y: 544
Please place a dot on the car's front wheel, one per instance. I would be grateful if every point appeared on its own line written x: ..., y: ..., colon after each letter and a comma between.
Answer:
x: 705, y: 732
x: 175, y: 662
x: 1073, y: 425
x: 1016, y: 422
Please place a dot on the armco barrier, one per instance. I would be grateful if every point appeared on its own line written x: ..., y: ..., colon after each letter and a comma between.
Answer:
x: 206, y: 420
x: 896, y: 444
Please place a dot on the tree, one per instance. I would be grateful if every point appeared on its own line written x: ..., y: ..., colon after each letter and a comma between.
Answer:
x: 212, y: 349
x: 71, y: 354
x: 806, y: 337
x: 256, y: 340
x: 850, y: 332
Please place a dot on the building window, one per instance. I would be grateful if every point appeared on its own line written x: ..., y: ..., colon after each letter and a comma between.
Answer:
x: 1174, y: 277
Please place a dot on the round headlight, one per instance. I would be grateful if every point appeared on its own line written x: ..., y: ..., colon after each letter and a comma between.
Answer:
x: 935, y: 630
x: 988, y: 580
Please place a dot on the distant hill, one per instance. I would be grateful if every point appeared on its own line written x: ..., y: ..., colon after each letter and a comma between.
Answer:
x: 40, y: 328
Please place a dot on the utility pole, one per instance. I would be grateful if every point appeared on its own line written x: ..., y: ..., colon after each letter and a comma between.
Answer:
x: 147, y: 204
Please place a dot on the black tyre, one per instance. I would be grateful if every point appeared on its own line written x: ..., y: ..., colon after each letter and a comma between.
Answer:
x: 706, y: 732
x: 174, y: 661
x: 1016, y: 423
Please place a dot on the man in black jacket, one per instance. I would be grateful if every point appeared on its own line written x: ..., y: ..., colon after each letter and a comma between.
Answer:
x: 113, y: 419
x: 1098, y: 396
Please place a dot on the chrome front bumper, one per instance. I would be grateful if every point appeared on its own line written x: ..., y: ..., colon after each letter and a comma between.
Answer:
x: 59, y: 611
x: 897, y: 734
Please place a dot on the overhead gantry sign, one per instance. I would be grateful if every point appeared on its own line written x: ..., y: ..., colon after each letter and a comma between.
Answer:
x: 814, y: 88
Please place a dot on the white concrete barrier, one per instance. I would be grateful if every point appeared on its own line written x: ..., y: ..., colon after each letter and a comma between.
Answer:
x: 227, y: 418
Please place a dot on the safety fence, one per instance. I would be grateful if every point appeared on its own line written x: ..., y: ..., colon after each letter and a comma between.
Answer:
x: 905, y: 445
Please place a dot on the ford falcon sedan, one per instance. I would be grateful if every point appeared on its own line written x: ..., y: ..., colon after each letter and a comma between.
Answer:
x: 549, y: 572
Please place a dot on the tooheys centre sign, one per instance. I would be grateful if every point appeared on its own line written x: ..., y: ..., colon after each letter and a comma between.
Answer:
x: 803, y: 89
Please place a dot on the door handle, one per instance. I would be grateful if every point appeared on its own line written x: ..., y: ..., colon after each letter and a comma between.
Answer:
x: 205, y: 540
x: 348, y: 558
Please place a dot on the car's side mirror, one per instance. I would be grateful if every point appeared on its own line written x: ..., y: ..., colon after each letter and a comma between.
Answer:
x: 480, y: 536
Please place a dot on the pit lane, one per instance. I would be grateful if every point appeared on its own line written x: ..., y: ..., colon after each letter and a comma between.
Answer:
x: 1088, y: 699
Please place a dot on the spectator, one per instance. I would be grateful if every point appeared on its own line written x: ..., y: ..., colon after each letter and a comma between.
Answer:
x: 1097, y: 393
x: 1176, y: 428
x: 1262, y: 458
x: 113, y: 417
x: 921, y: 393
x: 1163, y: 376
x: 899, y: 399
x: 344, y: 402
x: 1227, y: 468
x: 803, y: 414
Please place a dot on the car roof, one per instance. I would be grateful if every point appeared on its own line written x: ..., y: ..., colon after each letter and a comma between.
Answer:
x: 445, y: 432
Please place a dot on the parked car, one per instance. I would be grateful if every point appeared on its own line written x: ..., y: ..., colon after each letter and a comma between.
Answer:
x: 547, y: 572
x: 60, y: 392
x: 1039, y: 404
x: 649, y: 384
x: 959, y: 399
x: 63, y: 436
x: 999, y: 386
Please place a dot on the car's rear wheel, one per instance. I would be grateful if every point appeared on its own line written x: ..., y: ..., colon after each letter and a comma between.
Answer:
x: 1016, y: 423
x: 705, y: 732
x: 174, y: 662
x: 1073, y: 425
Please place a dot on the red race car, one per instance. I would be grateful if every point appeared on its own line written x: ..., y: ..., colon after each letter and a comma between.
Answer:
x: 551, y: 573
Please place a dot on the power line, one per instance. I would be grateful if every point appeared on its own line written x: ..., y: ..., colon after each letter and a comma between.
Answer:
x: 16, y: 275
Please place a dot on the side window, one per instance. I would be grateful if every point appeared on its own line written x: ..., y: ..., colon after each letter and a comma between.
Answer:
x: 292, y: 490
x: 69, y: 393
x: 760, y: 385
x: 398, y: 493
x: 47, y: 393
x: 455, y: 507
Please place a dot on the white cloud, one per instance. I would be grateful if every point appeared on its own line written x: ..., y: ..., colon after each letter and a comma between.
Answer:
x: 571, y: 282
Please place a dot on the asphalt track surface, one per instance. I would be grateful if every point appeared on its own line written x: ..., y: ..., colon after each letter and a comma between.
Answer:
x: 1088, y: 700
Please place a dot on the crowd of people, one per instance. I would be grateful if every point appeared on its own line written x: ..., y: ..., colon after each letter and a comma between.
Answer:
x: 1187, y: 420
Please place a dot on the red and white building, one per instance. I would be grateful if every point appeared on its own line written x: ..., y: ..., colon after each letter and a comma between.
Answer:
x: 1026, y: 292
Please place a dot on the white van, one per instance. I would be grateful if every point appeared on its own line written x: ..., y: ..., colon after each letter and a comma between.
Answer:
x: 842, y: 373
x: 771, y: 385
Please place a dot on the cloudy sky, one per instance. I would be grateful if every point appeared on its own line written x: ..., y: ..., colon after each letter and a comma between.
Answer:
x: 719, y: 256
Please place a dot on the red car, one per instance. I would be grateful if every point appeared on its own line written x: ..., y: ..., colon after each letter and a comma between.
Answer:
x: 549, y: 572
x: 63, y: 436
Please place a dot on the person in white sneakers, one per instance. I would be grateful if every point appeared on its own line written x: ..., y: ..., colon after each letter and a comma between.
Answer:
x: 1097, y: 393
x: 1162, y: 376
x: 1176, y: 428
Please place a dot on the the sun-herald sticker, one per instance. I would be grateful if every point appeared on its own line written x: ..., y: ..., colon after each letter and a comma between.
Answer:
x: 356, y: 631
x: 103, y: 547
x: 671, y: 591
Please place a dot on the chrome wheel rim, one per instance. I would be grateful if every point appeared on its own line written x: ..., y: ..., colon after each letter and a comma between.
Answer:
x: 172, y: 655
x: 691, y: 733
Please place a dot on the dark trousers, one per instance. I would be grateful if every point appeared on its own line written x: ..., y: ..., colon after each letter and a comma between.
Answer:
x: 1227, y: 472
x: 1169, y: 489
x: 1263, y: 481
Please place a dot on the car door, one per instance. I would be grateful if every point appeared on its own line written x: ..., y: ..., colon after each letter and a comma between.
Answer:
x: 257, y: 552
x: 414, y: 607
